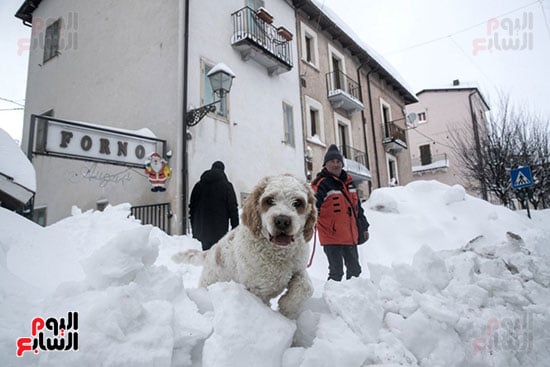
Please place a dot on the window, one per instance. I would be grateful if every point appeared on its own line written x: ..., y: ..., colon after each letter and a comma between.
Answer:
x: 314, y: 119
x: 422, y: 117
x: 51, y: 41
x: 386, y: 118
x: 309, y: 49
x: 343, y: 131
x: 425, y: 154
x: 288, y: 116
x: 310, y: 53
x: 337, y: 68
x: 393, y: 178
x: 39, y: 216
x: 208, y: 94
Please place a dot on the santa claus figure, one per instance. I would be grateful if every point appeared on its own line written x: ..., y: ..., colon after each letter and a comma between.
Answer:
x: 158, y: 171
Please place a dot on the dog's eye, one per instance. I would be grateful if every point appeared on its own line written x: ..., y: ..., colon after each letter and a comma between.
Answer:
x: 269, y: 201
x: 298, y: 203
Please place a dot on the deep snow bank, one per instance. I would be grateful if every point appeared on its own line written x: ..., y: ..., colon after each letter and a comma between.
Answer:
x: 475, y: 291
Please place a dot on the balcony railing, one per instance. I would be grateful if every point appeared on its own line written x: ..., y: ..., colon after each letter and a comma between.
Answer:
x: 355, y: 163
x: 433, y: 162
x: 343, y: 92
x: 396, y: 138
x: 261, y: 41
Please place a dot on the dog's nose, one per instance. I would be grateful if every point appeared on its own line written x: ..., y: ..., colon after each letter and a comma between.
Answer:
x: 282, y: 222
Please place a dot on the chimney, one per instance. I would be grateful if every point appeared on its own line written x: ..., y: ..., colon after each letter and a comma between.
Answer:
x: 456, y: 82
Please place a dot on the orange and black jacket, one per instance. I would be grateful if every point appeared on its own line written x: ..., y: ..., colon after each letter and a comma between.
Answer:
x: 336, y: 222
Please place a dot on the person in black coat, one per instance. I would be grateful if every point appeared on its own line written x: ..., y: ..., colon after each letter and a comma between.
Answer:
x: 213, y: 204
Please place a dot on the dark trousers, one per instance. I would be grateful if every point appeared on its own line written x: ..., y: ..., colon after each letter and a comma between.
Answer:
x: 207, y: 244
x: 337, y: 255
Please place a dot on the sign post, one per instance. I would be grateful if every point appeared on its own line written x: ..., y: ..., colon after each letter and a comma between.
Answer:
x: 522, y: 178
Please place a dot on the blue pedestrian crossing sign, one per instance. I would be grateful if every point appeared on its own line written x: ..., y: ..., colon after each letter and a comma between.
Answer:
x: 521, y: 177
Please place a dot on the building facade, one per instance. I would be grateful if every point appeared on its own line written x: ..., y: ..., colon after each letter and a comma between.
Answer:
x: 139, y: 74
x: 442, y: 113
x: 351, y: 97
x: 105, y: 92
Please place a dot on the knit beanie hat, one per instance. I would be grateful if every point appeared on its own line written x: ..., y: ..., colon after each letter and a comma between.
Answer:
x: 218, y: 165
x: 333, y: 153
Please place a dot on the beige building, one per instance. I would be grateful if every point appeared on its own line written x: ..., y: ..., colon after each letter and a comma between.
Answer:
x: 442, y: 113
x: 351, y: 97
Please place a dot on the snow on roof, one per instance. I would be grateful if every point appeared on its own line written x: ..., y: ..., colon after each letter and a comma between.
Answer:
x: 14, y: 162
x: 371, y: 51
x: 457, y: 86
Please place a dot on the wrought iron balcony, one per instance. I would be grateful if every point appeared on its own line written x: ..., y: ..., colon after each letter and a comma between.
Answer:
x: 256, y: 38
x: 343, y: 92
x: 396, y: 138
x: 355, y: 163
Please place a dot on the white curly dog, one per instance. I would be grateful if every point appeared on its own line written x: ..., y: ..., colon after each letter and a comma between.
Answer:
x: 268, y: 252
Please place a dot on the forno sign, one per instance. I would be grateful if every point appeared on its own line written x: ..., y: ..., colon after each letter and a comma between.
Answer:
x: 89, y: 142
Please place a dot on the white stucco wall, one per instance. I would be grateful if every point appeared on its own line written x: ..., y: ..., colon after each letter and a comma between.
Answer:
x: 121, y: 65
x: 250, y: 145
x: 118, y: 67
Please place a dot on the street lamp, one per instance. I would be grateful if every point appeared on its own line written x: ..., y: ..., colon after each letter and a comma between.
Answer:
x: 221, y: 78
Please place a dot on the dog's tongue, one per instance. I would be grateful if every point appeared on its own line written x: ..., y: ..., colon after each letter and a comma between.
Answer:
x: 282, y: 240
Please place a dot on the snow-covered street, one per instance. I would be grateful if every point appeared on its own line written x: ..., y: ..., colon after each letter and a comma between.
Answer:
x: 448, y: 280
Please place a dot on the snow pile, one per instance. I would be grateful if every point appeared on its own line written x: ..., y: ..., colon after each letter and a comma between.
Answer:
x: 15, y: 164
x: 450, y: 281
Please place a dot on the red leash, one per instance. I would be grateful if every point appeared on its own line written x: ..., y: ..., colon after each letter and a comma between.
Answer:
x: 313, y: 251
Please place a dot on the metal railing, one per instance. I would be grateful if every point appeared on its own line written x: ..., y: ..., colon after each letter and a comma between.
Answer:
x: 248, y: 25
x: 353, y: 154
x: 395, y: 132
x: 157, y: 215
x: 337, y: 80
x: 431, y: 159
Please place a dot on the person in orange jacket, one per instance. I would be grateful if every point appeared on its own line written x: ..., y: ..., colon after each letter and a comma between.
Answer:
x: 338, y: 207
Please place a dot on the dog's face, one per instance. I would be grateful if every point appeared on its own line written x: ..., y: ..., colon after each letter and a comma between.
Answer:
x: 281, y: 208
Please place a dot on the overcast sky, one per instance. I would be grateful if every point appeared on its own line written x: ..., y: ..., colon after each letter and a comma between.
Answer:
x: 429, y: 42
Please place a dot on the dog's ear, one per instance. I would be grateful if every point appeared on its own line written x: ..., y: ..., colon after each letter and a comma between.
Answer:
x: 311, y: 219
x: 251, y: 216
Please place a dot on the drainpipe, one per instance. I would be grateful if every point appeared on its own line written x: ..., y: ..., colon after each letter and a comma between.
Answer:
x: 364, y: 121
x: 184, y: 168
x: 373, y: 128
x: 478, y: 143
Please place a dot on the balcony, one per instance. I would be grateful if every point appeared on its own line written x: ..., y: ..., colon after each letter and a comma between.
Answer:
x: 396, y: 138
x: 355, y: 163
x: 430, y: 163
x: 343, y: 92
x: 256, y: 38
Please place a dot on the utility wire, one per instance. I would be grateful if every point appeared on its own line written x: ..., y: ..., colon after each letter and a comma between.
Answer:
x: 9, y: 100
x: 432, y: 139
x: 465, y: 29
